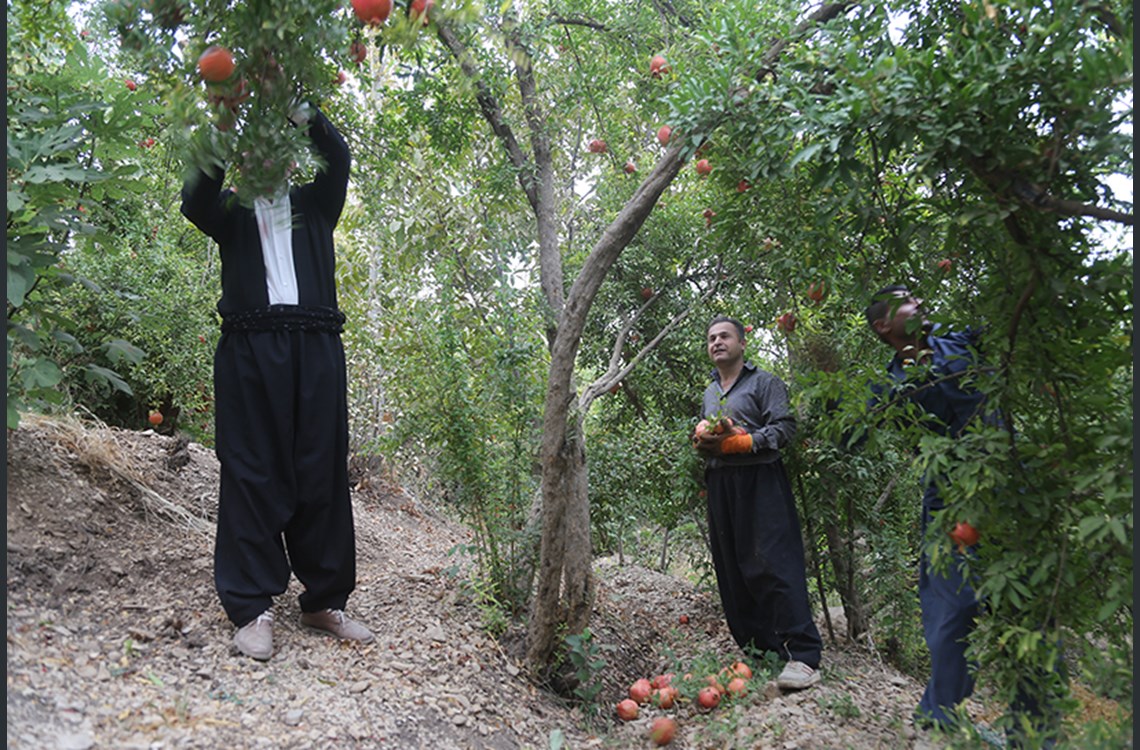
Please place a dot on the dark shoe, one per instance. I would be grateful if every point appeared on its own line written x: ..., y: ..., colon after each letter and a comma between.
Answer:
x: 797, y: 676
x: 255, y: 638
x: 333, y: 622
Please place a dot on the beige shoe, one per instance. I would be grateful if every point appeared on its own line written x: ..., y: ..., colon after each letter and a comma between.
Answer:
x: 255, y: 638
x: 333, y: 622
x: 797, y: 676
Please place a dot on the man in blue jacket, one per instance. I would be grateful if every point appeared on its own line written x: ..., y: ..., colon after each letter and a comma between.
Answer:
x: 281, y: 395
x: 939, y: 373
x: 949, y: 606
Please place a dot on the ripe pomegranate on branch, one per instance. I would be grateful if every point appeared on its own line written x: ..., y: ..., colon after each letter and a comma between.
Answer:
x: 239, y: 70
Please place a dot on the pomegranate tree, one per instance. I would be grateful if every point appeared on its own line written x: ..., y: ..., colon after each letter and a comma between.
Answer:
x: 232, y: 78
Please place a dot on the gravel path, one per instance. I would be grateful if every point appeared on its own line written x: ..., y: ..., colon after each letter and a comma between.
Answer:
x: 116, y: 640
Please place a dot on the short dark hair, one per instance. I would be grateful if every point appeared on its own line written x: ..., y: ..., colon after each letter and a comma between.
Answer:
x: 881, y: 302
x: 725, y: 319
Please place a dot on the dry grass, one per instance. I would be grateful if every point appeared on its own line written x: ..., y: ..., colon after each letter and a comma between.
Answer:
x: 1096, y: 708
x: 100, y: 449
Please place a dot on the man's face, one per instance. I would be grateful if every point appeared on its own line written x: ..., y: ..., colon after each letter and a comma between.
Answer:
x: 724, y: 343
x: 905, y: 319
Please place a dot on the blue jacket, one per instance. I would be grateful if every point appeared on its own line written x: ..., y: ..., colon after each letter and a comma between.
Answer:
x: 947, y: 393
x: 945, y: 389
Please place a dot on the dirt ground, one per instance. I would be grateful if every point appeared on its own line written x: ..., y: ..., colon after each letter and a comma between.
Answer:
x: 116, y: 640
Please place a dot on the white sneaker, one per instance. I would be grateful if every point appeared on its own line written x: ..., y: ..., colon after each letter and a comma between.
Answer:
x: 255, y: 638
x: 797, y: 676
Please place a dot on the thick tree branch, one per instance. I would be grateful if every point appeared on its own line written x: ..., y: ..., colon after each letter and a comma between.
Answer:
x: 821, y: 16
x: 545, y: 203
x: 1013, y: 187
x: 492, y: 112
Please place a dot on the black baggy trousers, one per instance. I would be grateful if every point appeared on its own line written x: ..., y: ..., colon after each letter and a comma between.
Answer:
x: 282, y: 444
x: 758, y: 553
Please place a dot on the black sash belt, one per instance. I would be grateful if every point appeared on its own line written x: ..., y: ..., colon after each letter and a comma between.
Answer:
x: 284, y: 318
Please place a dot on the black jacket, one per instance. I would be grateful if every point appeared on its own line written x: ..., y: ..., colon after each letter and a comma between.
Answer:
x: 316, y: 209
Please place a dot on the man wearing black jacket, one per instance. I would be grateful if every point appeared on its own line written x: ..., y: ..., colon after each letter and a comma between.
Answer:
x: 280, y: 390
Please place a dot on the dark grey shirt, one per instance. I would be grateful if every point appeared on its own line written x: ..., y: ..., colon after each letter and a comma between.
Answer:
x: 758, y: 402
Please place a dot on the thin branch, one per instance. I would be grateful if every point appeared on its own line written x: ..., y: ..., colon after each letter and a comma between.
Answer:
x: 1019, y: 310
x: 815, y: 554
x: 1057, y: 581
x: 1106, y: 16
x: 666, y: 8
x: 588, y: 23
x: 886, y: 493
x: 615, y: 374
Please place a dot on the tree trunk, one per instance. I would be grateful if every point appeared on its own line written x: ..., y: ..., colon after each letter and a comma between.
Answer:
x: 844, y: 566
x: 565, y: 585
x: 565, y: 591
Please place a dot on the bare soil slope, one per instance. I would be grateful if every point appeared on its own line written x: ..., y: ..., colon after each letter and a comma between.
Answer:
x: 115, y: 638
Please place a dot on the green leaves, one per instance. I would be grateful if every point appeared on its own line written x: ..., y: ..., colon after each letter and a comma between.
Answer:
x: 587, y: 663
x: 1098, y: 529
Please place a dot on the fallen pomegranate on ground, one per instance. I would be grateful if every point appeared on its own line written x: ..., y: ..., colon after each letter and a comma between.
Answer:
x: 736, y: 687
x: 665, y: 697
x: 708, y: 697
x: 662, y: 730
x: 640, y: 690
x: 627, y: 710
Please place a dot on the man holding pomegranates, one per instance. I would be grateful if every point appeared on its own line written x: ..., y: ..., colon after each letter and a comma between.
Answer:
x: 754, y: 529
x: 280, y: 388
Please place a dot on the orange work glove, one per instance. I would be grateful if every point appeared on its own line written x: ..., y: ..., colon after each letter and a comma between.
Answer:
x: 740, y: 443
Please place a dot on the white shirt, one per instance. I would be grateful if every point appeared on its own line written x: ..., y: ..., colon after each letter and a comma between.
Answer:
x: 275, y: 225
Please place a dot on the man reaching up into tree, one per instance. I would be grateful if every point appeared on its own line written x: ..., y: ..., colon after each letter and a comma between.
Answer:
x: 939, y: 374
x: 280, y: 386
x: 754, y: 531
